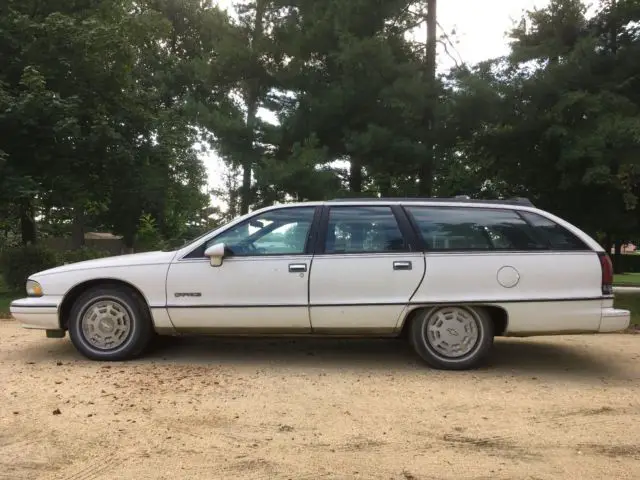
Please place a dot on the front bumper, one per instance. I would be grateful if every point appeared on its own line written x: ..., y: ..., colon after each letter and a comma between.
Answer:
x: 614, y: 320
x: 37, y: 312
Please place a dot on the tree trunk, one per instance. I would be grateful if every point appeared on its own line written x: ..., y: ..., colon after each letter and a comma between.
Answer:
x: 425, y: 175
x: 386, y: 190
x: 77, y: 231
x: 252, y: 99
x: 608, y: 243
x: 613, y: 27
x: 355, y: 176
x: 231, y: 186
x: 248, y: 159
x: 245, y: 190
x: 128, y: 239
x: 27, y: 222
x: 618, y: 267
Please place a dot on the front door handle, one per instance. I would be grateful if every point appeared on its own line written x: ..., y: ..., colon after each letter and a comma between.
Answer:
x: 297, y: 267
x: 402, y: 265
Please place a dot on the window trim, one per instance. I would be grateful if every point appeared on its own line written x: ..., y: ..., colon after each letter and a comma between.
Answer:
x: 398, y: 214
x: 538, y: 237
x: 308, y: 245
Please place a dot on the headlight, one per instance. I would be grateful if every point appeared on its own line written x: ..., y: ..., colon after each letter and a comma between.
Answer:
x: 33, y: 289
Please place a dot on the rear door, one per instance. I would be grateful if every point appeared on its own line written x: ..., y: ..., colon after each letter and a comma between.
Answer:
x: 366, y: 268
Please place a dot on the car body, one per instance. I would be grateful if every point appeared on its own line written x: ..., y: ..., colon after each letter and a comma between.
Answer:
x: 450, y: 274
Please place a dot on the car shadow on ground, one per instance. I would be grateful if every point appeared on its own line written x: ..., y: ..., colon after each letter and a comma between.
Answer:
x: 509, y: 356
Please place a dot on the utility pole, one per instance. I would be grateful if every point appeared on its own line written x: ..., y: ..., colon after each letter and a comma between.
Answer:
x: 425, y: 174
x: 252, y: 98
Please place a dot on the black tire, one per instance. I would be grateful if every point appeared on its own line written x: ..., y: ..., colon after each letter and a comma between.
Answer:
x: 477, y: 318
x: 140, y: 331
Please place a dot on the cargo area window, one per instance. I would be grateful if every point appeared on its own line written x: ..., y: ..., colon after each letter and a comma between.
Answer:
x: 558, y: 237
x: 475, y: 229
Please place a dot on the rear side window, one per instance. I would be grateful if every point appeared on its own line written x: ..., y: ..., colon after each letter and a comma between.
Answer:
x: 453, y: 228
x: 558, y: 237
x: 363, y: 230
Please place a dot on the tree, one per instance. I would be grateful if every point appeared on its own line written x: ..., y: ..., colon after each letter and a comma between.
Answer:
x: 564, y: 129
x: 99, y: 102
x: 357, y: 95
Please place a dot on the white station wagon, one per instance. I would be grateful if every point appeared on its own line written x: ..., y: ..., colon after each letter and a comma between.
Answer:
x: 449, y: 274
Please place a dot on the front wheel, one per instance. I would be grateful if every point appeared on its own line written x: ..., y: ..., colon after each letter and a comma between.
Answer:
x: 110, y: 323
x: 452, y: 337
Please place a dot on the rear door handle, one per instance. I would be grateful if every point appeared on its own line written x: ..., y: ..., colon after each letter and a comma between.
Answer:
x: 297, y: 267
x: 402, y: 265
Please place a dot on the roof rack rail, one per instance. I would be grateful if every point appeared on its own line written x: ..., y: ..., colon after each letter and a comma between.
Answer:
x: 525, y: 202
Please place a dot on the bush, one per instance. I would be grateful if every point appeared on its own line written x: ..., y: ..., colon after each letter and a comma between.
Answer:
x: 628, y: 263
x: 82, y: 254
x: 148, y: 237
x: 17, y: 263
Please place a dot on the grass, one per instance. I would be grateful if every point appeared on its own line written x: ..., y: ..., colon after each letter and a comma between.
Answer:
x: 629, y: 301
x: 627, y: 279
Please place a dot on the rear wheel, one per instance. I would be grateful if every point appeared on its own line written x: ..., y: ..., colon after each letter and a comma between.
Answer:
x: 110, y: 323
x: 452, y: 337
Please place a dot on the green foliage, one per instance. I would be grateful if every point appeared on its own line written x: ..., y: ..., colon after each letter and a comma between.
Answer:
x: 148, y: 236
x: 95, y: 112
x: 101, y: 104
x: 559, y: 117
x: 82, y: 254
x: 627, y: 263
x: 361, y: 97
x: 16, y: 264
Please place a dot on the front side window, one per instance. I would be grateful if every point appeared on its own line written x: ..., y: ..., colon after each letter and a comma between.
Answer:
x: 363, y: 230
x: 276, y: 232
x: 453, y: 228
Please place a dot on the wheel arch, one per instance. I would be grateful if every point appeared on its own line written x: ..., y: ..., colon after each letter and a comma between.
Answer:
x: 499, y: 316
x: 74, y: 293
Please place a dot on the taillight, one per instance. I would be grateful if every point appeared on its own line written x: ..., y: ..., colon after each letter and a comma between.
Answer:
x: 607, y: 273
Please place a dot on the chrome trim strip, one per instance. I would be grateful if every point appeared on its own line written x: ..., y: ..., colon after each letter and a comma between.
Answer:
x: 386, y: 304
x: 248, y: 258
x: 43, y: 305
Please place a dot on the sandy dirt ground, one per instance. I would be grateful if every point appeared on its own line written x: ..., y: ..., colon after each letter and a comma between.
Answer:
x: 205, y: 408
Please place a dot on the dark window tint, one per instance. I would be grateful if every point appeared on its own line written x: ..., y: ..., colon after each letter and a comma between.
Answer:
x: 452, y: 228
x: 556, y: 235
x: 363, y: 230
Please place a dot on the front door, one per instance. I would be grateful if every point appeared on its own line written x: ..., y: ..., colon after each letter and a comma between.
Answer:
x: 365, y: 272
x: 261, y: 286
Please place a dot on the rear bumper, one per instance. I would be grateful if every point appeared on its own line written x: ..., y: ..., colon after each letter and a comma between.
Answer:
x: 37, y: 312
x: 614, y: 320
